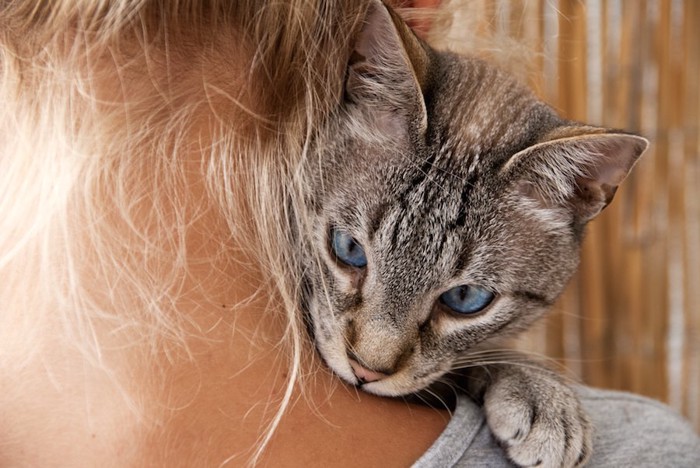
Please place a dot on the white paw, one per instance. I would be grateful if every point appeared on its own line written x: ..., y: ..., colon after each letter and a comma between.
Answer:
x: 538, y: 420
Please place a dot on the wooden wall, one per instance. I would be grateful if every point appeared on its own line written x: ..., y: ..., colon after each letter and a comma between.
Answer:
x: 630, y: 319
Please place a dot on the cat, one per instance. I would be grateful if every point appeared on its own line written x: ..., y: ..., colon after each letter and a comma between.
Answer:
x: 447, y: 208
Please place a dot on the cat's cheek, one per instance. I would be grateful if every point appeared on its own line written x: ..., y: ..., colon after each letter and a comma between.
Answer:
x: 330, y: 344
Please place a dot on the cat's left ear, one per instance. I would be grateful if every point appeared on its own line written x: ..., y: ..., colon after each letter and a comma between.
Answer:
x: 388, y: 72
x: 578, y: 168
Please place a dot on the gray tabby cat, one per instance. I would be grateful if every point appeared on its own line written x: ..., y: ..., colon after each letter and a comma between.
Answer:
x: 448, y: 206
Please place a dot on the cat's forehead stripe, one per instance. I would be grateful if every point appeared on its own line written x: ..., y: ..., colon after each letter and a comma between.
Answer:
x: 484, y: 109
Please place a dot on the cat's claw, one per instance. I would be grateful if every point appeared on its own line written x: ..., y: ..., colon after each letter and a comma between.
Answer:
x: 538, y: 420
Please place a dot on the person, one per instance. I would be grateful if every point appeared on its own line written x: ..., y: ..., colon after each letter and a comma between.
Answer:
x: 149, y: 311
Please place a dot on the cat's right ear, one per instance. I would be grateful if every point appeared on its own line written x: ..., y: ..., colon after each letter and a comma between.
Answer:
x: 575, y: 167
x: 387, y: 73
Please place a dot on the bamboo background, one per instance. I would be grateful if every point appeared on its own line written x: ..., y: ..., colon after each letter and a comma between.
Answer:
x: 630, y: 319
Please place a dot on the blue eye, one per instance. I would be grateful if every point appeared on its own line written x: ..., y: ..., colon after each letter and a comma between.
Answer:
x: 467, y: 299
x: 347, y: 249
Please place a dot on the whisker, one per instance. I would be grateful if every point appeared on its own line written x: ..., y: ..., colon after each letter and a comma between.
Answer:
x: 436, y: 397
x: 485, y: 364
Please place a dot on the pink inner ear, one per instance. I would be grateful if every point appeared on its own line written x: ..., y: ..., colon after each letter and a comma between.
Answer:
x: 591, y: 197
x: 382, y: 83
x: 615, y: 157
x: 392, y: 125
x: 377, y: 33
x: 579, y: 173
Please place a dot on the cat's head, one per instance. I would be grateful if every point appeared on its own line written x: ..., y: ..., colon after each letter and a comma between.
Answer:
x: 448, y: 206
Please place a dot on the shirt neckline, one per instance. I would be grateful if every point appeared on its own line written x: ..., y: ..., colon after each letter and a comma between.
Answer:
x: 467, y: 418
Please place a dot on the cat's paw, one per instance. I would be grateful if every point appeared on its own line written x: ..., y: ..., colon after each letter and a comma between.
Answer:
x: 538, y: 420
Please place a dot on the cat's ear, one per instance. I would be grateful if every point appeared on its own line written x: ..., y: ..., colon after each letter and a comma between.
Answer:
x: 577, y: 168
x: 387, y: 72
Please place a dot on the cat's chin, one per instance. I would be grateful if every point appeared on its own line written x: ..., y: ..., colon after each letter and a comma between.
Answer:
x: 393, y: 387
x: 382, y: 389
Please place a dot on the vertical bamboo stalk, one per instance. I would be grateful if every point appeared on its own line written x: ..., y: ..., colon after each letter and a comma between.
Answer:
x: 655, y: 318
x: 676, y: 336
x: 691, y: 184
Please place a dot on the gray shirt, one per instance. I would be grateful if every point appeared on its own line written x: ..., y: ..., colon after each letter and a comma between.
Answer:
x: 630, y: 431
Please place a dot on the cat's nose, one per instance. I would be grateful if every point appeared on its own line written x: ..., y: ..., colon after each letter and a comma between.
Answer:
x: 365, y: 375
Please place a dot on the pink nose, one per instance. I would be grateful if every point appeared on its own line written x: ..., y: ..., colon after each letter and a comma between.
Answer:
x: 365, y: 375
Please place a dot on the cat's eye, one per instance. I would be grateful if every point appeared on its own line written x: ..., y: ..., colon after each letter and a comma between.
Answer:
x: 347, y: 249
x: 467, y: 299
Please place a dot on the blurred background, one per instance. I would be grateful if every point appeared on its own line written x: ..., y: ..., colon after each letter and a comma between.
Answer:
x: 630, y: 319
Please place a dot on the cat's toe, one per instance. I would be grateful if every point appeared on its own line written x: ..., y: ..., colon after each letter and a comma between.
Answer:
x: 509, y: 416
x: 552, y: 442
x: 547, y: 428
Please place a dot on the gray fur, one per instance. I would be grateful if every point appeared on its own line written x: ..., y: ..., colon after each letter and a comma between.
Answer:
x: 448, y: 175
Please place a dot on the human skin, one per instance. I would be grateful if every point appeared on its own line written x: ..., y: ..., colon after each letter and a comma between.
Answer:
x: 203, y: 409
